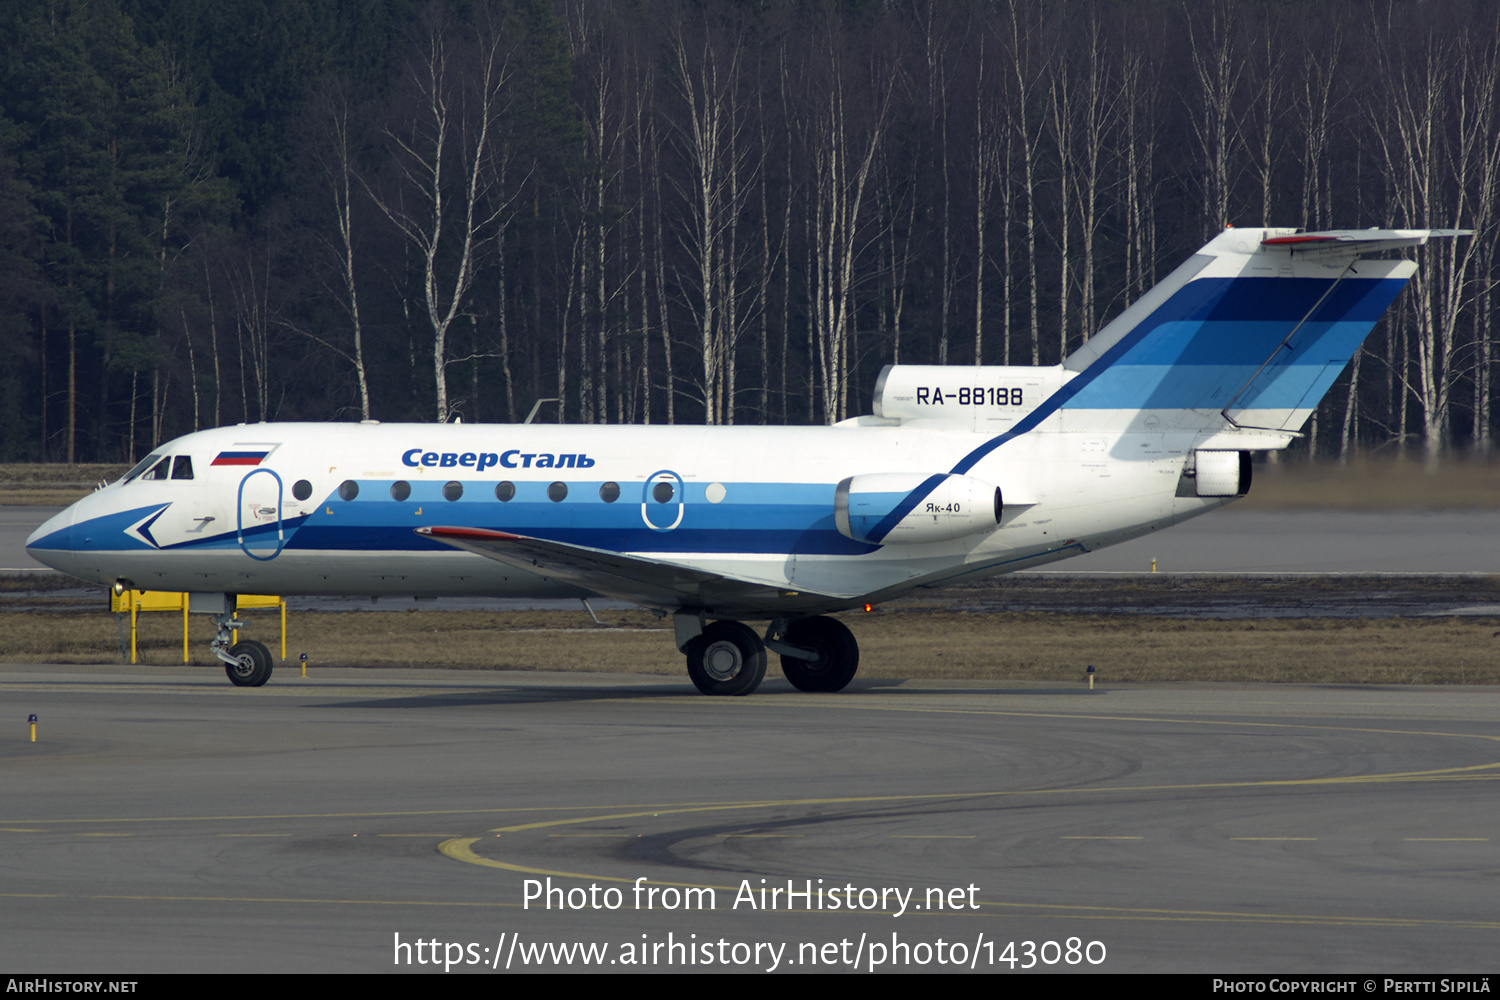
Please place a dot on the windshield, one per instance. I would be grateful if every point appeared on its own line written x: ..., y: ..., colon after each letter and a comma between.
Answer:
x: 141, y: 467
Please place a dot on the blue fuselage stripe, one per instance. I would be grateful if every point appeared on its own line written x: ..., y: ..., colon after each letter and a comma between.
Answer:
x: 755, y: 518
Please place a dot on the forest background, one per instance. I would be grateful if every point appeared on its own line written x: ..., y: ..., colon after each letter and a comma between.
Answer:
x: 718, y: 211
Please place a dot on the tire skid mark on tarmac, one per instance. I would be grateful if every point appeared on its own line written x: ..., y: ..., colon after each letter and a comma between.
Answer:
x: 462, y: 848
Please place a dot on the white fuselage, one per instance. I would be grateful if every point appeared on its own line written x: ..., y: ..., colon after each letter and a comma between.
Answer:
x: 751, y: 503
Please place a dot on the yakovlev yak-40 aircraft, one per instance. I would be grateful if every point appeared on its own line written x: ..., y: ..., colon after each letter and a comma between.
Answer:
x: 961, y: 473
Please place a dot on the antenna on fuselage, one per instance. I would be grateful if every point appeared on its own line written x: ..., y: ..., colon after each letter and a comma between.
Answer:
x: 537, y: 406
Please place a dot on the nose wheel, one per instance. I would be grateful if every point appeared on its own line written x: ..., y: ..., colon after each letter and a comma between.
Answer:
x: 251, y: 666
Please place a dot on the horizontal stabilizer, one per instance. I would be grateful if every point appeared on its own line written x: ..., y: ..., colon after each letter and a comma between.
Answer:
x: 1355, y: 242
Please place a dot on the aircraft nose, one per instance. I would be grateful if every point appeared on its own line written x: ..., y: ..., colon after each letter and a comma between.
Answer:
x: 55, y: 535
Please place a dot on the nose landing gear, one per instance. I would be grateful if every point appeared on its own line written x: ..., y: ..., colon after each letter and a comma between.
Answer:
x: 248, y: 663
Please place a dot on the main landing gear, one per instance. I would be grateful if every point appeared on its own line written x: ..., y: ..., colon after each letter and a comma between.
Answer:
x: 834, y: 659
x: 248, y: 663
x: 728, y: 658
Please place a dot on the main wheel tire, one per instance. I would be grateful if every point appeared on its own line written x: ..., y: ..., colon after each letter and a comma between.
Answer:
x: 727, y: 659
x: 837, y: 649
x: 253, y: 664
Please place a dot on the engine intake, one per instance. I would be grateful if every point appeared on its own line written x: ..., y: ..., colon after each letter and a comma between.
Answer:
x: 1222, y: 473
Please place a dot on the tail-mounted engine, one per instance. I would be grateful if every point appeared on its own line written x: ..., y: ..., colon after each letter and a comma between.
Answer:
x: 1210, y: 473
x: 914, y: 507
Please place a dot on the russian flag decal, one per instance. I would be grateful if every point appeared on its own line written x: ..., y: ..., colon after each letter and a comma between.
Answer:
x: 240, y: 457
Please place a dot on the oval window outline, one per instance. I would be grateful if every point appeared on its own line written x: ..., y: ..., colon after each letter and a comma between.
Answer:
x: 650, y: 505
x: 239, y: 504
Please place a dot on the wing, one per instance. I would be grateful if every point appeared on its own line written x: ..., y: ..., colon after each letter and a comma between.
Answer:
x: 652, y: 582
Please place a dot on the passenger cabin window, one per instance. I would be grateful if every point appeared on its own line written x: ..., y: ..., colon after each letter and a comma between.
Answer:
x: 182, y: 467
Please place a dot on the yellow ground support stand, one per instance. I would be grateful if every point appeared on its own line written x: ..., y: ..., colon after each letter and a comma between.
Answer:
x: 136, y: 601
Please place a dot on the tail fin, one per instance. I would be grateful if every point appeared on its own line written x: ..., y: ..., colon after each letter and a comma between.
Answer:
x: 1252, y: 330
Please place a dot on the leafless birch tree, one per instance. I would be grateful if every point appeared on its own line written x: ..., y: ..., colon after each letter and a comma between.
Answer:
x: 841, y: 124
x: 711, y: 133
x: 442, y: 204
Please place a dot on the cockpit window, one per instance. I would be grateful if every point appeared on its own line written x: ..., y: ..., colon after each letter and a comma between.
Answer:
x: 159, y: 470
x: 141, y: 467
x: 182, y: 467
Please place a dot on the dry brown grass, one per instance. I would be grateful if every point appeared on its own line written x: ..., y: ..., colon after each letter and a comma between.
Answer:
x: 1369, y: 484
x: 1037, y: 646
x: 53, y: 484
x: 894, y: 644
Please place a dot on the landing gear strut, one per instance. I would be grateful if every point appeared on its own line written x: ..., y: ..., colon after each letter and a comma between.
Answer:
x: 247, y: 663
x: 726, y: 658
x: 824, y: 655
